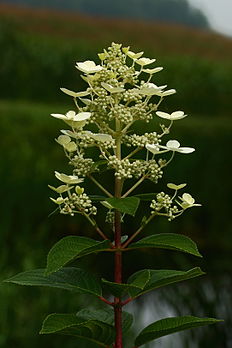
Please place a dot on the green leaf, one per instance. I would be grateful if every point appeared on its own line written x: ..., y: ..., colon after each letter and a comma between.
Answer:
x: 70, y: 324
x: 106, y: 315
x: 168, y: 241
x: 116, y: 289
x: 168, y: 326
x: 148, y: 279
x: 70, y: 248
x: 127, y: 205
x: 68, y: 278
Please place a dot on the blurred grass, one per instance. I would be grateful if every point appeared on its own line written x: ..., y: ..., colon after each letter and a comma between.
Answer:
x: 38, y: 52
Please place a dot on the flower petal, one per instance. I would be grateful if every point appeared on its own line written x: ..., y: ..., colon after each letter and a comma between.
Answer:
x: 60, y: 116
x: 185, y: 150
x: 173, y: 144
x: 68, y: 179
x: 188, y: 198
x: 82, y: 116
x: 152, y: 148
x: 112, y: 89
x: 153, y: 71
x: 101, y: 137
x: 74, y: 94
x: 168, y: 92
x: 71, y: 147
x: 63, y: 139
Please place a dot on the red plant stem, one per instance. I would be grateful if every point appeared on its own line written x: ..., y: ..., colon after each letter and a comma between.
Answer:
x: 127, y: 301
x: 117, y: 242
x: 106, y: 301
x: 118, y: 270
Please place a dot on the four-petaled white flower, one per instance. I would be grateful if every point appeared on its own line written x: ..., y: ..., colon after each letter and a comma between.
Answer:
x: 75, y: 94
x: 74, y: 120
x: 153, y: 71
x: 150, y: 89
x: 145, y: 61
x: 187, y: 201
x: 112, y: 89
x: 61, y: 189
x: 174, y: 145
x: 177, y: 115
x: 176, y: 187
x: 88, y: 67
x: 58, y: 201
x: 101, y: 137
x: 66, y: 142
x: 133, y: 55
x: 68, y: 179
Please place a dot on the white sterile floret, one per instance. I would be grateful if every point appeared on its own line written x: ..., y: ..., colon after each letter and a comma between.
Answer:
x: 69, y: 133
x: 66, y: 142
x: 68, y: 179
x: 86, y: 101
x: 73, y: 119
x: 150, y: 89
x: 153, y: 148
x: 133, y: 55
x: 174, y: 145
x: 168, y: 92
x: 145, y: 61
x: 58, y: 201
x: 188, y: 201
x: 71, y: 147
x: 63, y: 140
x: 177, y: 115
x: 88, y: 67
x: 61, y: 189
x: 74, y: 94
x: 153, y: 71
x: 101, y: 137
x: 176, y: 187
x: 112, y: 89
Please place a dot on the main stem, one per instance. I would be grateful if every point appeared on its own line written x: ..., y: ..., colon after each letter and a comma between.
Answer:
x: 118, y: 254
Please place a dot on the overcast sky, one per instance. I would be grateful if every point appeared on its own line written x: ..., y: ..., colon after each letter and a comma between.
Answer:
x: 219, y: 13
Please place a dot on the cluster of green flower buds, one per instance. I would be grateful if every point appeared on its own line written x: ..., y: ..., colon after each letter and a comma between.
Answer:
x: 171, y: 206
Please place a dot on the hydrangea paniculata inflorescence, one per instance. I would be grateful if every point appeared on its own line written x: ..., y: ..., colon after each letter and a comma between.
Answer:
x: 116, y: 98
x: 120, y: 97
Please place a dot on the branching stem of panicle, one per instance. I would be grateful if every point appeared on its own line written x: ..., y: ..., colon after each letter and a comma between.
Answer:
x: 134, y: 186
x: 138, y: 231
x: 94, y: 224
x: 100, y: 186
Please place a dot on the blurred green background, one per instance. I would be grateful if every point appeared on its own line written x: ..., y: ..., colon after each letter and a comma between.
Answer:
x: 39, y: 49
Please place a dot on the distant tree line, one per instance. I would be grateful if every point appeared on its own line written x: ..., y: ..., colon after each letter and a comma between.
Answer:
x: 175, y: 11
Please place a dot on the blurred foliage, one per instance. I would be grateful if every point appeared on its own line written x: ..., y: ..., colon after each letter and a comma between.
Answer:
x: 41, y: 63
x: 38, y: 54
x: 177, y: 11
